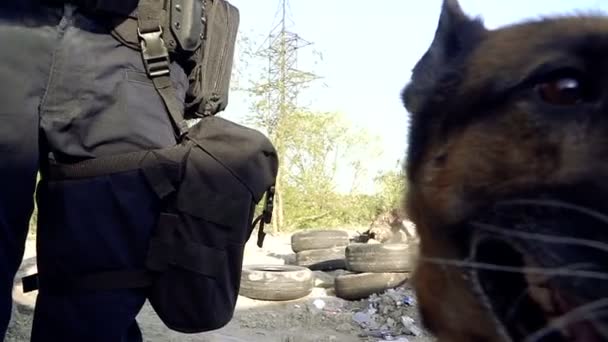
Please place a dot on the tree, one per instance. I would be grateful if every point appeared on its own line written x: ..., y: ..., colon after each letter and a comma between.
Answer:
x: 392, y: 188
x: 315, y: 149
x: 275, y: 93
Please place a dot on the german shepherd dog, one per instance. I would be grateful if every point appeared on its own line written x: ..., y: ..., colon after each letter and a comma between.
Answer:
x: 507, y: 168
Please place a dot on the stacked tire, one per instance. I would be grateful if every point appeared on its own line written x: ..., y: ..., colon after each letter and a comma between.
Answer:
x: 320, y: 250
x: 370, y: 268
x: 375, y: 267
x: 276, y: 282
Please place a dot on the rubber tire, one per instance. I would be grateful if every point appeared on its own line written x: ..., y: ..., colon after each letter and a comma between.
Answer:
x: 276, y: 282
x: 362, y: 285
x: 380, y: 258
x: 318, y: 239
x: 322, y: 259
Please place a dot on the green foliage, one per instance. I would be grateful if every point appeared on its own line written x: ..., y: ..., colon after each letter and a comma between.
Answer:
x: 393, y: 187
x: 315, y: 150
x: 316, y: 147
x: 337, y: 210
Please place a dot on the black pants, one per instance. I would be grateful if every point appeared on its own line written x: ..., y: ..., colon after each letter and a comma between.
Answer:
x: 70, y: 91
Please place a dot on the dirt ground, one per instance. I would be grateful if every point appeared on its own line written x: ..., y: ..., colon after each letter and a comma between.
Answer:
x: 254, y: 321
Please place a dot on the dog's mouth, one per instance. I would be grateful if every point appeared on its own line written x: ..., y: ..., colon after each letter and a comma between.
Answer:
x: 540, y: 266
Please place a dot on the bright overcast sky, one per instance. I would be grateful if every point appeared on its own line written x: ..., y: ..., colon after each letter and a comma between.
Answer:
x: 369, y: 48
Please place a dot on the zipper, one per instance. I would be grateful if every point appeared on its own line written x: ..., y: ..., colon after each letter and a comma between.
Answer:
x: 214, y: 96
x: 224, y: 48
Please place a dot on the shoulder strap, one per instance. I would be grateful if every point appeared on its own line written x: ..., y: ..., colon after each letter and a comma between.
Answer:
x: 156, y: 60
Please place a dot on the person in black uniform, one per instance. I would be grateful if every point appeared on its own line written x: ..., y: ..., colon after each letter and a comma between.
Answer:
x: 70, y: 91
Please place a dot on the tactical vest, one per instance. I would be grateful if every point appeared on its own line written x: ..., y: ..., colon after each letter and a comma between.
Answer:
x: 199, y: 34
x: 208, y: 184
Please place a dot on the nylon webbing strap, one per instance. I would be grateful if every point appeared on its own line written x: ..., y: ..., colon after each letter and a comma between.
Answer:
x: 164, y: 86
x: 124, y: 7
x: 117, y: 7
x: 100, y: 166
x: 110, y: 280
x: 156, y: 60
x: 149, y: 15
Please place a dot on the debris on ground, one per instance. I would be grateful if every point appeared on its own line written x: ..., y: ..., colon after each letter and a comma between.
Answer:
x: 388, y: 316
x: 319, y: 303
x: 318, y: 317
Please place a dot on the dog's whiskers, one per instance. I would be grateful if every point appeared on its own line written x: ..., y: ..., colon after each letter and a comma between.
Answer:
x: 554, y: 239
x: 556, y: 204
x: 564, y: 271
x: 584, y: 312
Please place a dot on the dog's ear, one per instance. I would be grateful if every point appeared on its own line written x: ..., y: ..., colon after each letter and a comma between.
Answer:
x: 456, y: 35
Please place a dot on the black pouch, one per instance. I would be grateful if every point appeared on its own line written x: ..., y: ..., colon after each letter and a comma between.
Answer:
x: 210, y: 78
x: 201, y: 35
x: 198, y: 247
x: 209, y: 186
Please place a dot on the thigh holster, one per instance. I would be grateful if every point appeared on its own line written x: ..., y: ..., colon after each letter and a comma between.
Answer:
x: 209, y: 186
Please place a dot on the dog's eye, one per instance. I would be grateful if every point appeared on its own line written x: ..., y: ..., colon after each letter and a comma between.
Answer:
x: 563, y: 91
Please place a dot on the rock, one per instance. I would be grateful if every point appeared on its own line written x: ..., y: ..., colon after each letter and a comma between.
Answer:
x: 410, y: 327
x: 318, y: 292
x: 333, y: 305
x: 409, y: 300
x: 389, y: 315
x: 407, y: 321
x: 397, y: 339
x: 362, y: 318
x: 319, y: 304
x: 414, y: 330
x: 344, y: 327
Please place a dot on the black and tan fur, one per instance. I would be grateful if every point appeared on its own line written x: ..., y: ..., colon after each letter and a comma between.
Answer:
x: 489, y: 123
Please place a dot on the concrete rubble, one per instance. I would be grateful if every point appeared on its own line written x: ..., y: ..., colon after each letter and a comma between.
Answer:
x: 388, y: 316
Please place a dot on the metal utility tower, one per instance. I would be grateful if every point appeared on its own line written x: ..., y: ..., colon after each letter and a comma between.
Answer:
x: 285, y: 80
x: 281, y: 89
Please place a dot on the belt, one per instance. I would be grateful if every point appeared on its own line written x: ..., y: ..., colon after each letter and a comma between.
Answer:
x: 121, y: 7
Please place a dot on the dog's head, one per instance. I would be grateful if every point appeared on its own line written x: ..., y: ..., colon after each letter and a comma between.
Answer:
x: 508, y: 179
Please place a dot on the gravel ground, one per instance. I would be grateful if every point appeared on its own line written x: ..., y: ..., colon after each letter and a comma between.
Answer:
x: 319, y: 317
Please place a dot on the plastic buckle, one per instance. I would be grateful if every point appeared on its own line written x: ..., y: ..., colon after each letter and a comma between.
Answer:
x: 269, y: 206
x: 155, y: 53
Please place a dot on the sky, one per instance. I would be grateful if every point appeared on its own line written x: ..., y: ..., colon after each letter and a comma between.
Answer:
x: 368, y: 50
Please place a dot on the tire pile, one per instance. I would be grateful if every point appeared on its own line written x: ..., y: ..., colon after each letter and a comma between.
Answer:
x: 320, y: 250
x: 369, y: 268
x: 276, y: 282
x: 375, y: 267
